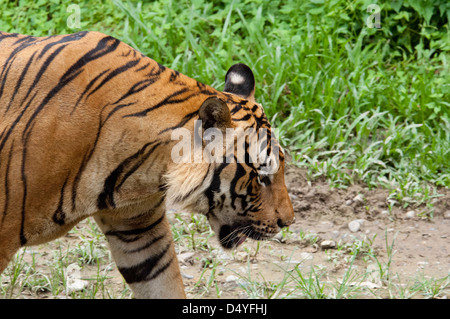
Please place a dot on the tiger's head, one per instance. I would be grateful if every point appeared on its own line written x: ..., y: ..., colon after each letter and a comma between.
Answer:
x: 234, y: 170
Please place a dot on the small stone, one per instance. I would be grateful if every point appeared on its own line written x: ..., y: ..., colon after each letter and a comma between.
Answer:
x: 186, y: 258
x: 231, y: 278
x: 73, y: 278
x: 348, y: 202
x: 241, y: 256
x: 358, y: 198
x: 280, y: 238
x: 447, y: 214
x: 327, y: 244
x: 187, y: 276
x: 422, y: 264
x: 354, y: 226
x: 410, y: 214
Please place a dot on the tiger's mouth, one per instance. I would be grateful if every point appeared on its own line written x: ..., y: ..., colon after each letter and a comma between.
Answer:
x: 231, y: 236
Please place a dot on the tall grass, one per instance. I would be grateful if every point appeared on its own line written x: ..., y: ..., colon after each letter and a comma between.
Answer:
x: 352, y: 103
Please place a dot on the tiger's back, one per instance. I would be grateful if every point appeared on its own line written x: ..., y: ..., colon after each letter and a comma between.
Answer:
x: 85, y: 130
x: 60, y: 99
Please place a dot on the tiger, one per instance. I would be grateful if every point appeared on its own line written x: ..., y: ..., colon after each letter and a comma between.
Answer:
x: 86, y: 130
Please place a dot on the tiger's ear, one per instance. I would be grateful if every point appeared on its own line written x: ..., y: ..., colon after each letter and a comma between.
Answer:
x: 240, y: 80
x: 215, y: 113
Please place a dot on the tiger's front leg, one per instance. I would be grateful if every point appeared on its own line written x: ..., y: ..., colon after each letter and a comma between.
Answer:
x: 143, y: 249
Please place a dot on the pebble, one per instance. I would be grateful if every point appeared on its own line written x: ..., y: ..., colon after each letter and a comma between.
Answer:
x: 73, y: 278
x: 231, y: 278
x: 241, y: 256
x: 186, y: 258
x: 279, y: 237
x: 187, y: 276
x: 354, y: 226
x: 327, y: 244
x: 358, y: 198
x: 410, y: 214
x: 447, y: 214
x: 422, y: 264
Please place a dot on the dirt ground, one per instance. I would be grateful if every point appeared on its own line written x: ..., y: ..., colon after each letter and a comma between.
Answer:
x: 331, y: 225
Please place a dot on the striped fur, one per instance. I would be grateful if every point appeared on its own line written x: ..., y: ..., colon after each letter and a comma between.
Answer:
x: 85, y: 130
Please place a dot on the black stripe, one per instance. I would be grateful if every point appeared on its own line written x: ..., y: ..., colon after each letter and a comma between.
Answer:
x: 240, y: 172
x: 142, y: 271
x: 139, y: 86
x: 133, y: 168
x: 161, y: 269
x: 80, y: 171
x: 4, y: 35
x: 244, y: 118
x: 23, y: 239
x: 157, y: 73
x: 115, y: 73
x: 167, y: 100
x: 59, y: 215
x: 174, y: 75
x: 147, y: 245
x: 200, y: 85
x: 88, y: 86
x: 149, y: 212
x: 114, y: 110
x: 68, y: 38
x: 185, y: 119
x: 123, y: 170
x: 9, y: 61
x: 238, y: 106
x: 5, y: 72
x: 20, y: 80
x: 214, y: 187
x: 6, y: 135
x: 8, y: 164
x: 129, y: 236
x: 104, y: 46
x: 85, y: 161
x: 142, y: 67
x: 42, y: 70
x: 126, y: 54
x: 170, y: 100
x: 26, y: 38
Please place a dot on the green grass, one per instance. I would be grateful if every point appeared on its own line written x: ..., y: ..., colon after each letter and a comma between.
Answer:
x: 352, y: 104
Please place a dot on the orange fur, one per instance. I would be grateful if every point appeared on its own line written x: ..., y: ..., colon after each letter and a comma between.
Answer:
x: 85, y: 130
